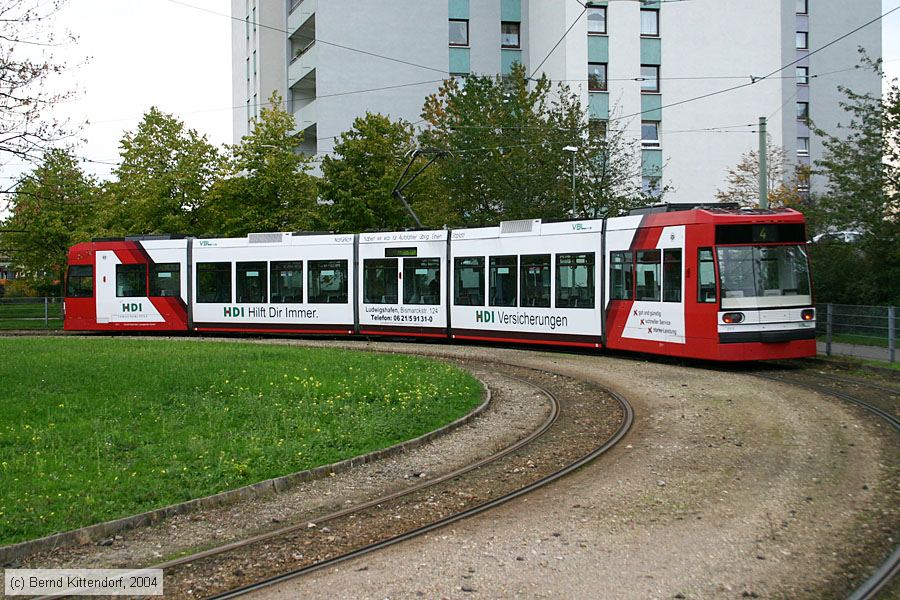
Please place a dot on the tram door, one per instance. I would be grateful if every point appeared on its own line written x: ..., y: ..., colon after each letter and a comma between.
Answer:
x: 403, y: 283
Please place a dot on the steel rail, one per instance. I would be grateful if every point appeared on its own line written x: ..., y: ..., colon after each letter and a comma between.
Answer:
x: 883, y: 575
x: 481, y: 508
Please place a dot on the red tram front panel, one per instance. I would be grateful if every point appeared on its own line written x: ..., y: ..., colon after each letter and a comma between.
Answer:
x: 132, y: 285
x: 671, y: 281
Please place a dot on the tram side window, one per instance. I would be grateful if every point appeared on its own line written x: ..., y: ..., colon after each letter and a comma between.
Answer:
x: 327, y: 281
x: 214, y: 283
x: 672, y: 275
x: 503, y: 280
x: 165, y: 280
x: 287, y: 282
x: 131, y: 281
x: 469, y: 290
x: 421, y: 281
x: 706, y: 276
x: 621, y: 275
x: 252, y: 282
x: 575, y: 280
x: 380, y: 281
x: 648, y: 269
x: 80, y: 282
x: 536, y: 280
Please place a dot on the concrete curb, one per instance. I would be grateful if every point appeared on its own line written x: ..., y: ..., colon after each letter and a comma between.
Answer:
x: 100, y: 531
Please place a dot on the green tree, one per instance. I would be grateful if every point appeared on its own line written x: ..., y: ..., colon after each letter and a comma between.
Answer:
x: 506, y: 137
x: 862, y: 165
x: 165, y: 173
x: 268, y: 185
x: 359, y: 180
x: 52, y: 209
x: 786, y: 182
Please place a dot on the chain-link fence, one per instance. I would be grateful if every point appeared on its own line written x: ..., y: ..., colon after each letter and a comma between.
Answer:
x: 857, y: 325
x: 31, y: 313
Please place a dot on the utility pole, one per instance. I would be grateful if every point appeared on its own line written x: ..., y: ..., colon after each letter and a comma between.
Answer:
x: 763, y: 167
x: 573, y: 150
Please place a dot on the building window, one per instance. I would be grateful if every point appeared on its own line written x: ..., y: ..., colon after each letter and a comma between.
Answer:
x: 597, y: 128
x: 802, y: 7
x: 802, y: 40
x: 596, y: 19
x: 459, y: 32
x: 650, y: 133
x: 650, y: 23
x: 597, y: 77
x: 802, y: 75
x: 803, y: 146
x: 803, y: 111
x: 650, y: 186
x: 509, y: 34
x: 165, y: 279
x: 649, y: 78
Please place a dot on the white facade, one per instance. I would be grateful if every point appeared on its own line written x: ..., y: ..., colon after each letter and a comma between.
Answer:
x: 333, y: 60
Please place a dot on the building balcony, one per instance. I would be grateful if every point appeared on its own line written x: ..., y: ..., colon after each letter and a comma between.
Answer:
x: 301, y: 11
x: 302, y: 65
x: 305, y: 117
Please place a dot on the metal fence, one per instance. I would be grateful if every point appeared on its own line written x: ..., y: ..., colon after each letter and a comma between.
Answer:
x: 857, y: 325
x: 31, y: 313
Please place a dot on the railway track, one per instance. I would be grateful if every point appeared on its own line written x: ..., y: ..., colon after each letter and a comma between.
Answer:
x: 569, y: 438
x: 882, y: 402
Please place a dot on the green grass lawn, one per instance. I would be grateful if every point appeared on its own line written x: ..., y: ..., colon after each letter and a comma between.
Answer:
x: 95, y: 429
x: 859, y: 340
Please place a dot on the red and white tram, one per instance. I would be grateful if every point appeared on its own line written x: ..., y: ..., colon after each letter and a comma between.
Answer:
x: 709, y: 283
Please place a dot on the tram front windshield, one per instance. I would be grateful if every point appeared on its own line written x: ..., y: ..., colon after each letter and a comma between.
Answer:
x: 764, y: 276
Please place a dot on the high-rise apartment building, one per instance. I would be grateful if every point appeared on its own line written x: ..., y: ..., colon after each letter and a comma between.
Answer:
x: 646, y: 64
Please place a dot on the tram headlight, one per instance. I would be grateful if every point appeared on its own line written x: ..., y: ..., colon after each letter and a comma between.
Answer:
x: 808, y: 314
x: 733, y: 317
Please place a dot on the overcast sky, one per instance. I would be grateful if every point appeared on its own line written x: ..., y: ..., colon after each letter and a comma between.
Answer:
x: 142, y: 53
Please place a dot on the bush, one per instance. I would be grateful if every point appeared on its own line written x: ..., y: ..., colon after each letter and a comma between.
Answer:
x: 20, y: 288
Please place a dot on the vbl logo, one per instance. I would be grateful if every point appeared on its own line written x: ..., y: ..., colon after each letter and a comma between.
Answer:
x: 234, y: 311
x: 580, y: 227
x: 133, y: 307
x: 484, y: 316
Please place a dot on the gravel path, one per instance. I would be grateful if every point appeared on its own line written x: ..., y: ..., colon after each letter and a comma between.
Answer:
x: 728, y: 487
